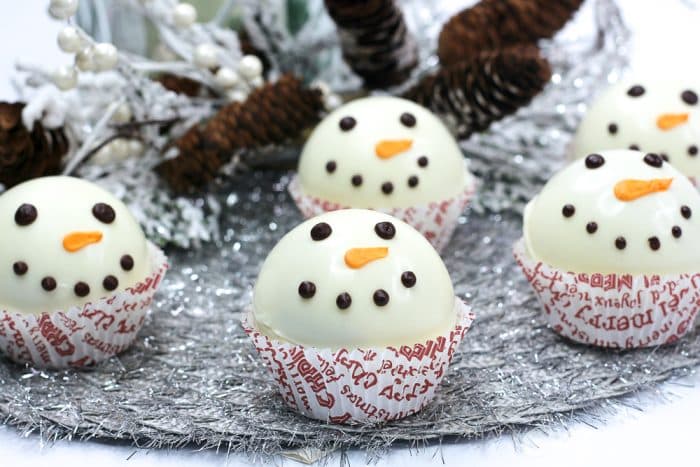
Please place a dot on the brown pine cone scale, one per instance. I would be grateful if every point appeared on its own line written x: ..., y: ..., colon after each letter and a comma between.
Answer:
x: 496, y: 24
x: 471, y: 95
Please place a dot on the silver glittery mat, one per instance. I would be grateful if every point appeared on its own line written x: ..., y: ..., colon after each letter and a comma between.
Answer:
x: 193, y: 376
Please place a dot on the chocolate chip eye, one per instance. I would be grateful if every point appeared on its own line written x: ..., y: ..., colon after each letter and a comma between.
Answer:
x: 20, y: 268
x: 307, y: 289
x: 408, y: 119
x: 110, y: 283
x: 689, y: 97
x: 593, y: 161
x: 343, y: 300
x: 48, y: 283
x: 620, y: 243
x: 385, y: 230
x: 653, y: 160
x: 25, y: 214
x: 635, y: 91
x: 612, y: 128
x: 127, y: 262
x: 380, y: 297
x: 686, y: 212
x: 568, y: 210
x: 103, y: 213
x: 422, y: 161
x: 320, y: 231
x: 408, y: 279
x: 331, y: 166
x: 81, y: 289
x: 347, y: 123
x: 654, y: 243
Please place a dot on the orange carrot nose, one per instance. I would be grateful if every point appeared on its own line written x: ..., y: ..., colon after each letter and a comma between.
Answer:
x: 388, y: 148
x: 670, y: 121
x: 75, y: 241
x: 629, y: 190
x: 358, y: 257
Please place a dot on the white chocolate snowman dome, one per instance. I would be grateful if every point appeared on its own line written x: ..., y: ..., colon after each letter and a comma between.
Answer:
x: 353, y: 278
x: 382, y: 152
x: 66, y: 242
x: 616, y: 211
x: 658, y: 116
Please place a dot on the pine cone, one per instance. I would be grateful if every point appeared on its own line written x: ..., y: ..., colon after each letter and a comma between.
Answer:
x: 180, y: 84
x: 272, y: 114
x: 496, y: 24
x: 27, y: 154
x: 471, y: 95
x: 375, y: 41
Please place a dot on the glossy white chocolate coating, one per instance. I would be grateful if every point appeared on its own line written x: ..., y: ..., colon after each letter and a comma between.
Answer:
x: 353, y: 151
x: 412, y: 315
x: 565, y: 243
x: 64, y: 206
x: 636, y: 122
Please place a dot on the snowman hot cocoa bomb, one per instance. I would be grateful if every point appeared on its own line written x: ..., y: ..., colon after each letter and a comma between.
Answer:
x: 609, y: 246
x: 646, y: 114
x: 387, y: 154
x: 355, y: 314
x: 76, y: 273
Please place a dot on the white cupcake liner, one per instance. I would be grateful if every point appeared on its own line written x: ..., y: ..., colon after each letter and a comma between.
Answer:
x: 82, y: 335
x: 436, y: 220
x: 622, y: 311
x: 359, y: 386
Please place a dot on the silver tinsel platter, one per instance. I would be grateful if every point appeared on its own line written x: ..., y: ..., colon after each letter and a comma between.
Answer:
x: 193, y: 377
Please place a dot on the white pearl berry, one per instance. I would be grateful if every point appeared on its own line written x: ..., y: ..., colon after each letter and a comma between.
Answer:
x: 206, y: 56
x: 65, y: 77
x: 184, y: 15
x: 120, y: 149
x: 84, y: 59
x: 122, y: 114
x: 63, y: 9
x: 237, y: 95
x: 105, y: 56
x: 257, y: 82
x: 69, y: 40
x: 135, y: 147
x: 226, y: 77
x: 250, y: 67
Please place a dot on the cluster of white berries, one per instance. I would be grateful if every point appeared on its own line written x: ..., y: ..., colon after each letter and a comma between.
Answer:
x: 206, y: 56
x: 88, y: 56
x: 118, y: 150
x: 235, y: 81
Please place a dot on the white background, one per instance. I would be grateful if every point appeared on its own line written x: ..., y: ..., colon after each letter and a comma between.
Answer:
x: 662, y: 429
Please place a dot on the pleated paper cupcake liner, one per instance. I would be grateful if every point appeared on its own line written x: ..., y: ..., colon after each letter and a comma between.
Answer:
x: 436, y: 221
x: 359, y: 386
x: 622, y: 311
x: 82, y: 335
